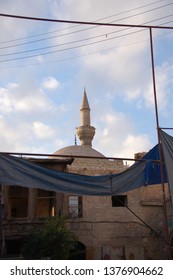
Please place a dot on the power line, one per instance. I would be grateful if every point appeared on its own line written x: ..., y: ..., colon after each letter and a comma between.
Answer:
x: 70, y: 27
x: 79, y: 40
x: 83, y: 55
x: 72, y: 42
x: 85, y: 39
x: 81, y: 30
x: 84, y: 22
x: 69, y: 48
x: 78, y: 56
x: 32, y: 50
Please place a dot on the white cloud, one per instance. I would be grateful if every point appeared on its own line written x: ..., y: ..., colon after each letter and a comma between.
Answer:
x: 21, y: 27
x: 43, y: 131
x: 12, y: 137
x: 135, y: 144
x: 5, y: 102
x: 133, y: 94
x: 27, y: 119
x: 51, y: 83
x: 164, y: 84
x: 37, y: 101
x: 116, y: 136
x: 23, y: 98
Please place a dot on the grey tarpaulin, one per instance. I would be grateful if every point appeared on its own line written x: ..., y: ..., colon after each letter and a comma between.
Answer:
x: 167, y: 146
x: 20, y: 172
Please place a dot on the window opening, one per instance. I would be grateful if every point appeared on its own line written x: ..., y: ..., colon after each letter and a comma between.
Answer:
x: 46, y: 201
x: 119, y: 201
x: 18, y: 201
x: 75, y: 206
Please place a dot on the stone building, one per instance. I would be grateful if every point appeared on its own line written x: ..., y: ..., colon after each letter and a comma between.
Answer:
x: 25, y: 209
x: 131, y: 225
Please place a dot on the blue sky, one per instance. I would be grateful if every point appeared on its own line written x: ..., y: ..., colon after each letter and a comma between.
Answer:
x: 41, y: 94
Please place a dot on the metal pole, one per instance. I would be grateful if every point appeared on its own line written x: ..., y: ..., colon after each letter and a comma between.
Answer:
x: 159, y: 140
x: 1, y: 215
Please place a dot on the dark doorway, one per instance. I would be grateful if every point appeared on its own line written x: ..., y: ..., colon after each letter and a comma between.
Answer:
x: 13, y: 247
x: 79, y: 252
x: 172, y: 248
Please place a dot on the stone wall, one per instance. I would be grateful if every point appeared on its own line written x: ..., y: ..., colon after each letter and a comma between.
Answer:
x: 89, y: 166
x: 108, y: 232
x: 136, y: 232
x: 120, y: 230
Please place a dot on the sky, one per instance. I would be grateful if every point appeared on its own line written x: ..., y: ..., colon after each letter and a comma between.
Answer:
x: 45, y: 66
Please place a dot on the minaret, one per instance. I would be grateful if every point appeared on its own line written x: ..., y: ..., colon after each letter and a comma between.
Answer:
x: 85, y: 132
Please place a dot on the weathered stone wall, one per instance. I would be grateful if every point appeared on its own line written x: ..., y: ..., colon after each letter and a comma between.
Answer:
x: 106, y: 231
x: 89, y: 166
x: 117, y: 232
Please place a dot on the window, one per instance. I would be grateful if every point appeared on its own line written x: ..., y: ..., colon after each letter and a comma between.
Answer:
x: 46, y: 201
x: 119, y: 201
x: 75, y: 206
x: 18, y: 201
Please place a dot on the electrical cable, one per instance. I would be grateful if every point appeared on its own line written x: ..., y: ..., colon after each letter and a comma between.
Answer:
x: 91, y: 23
x: 67, y: 28
x: 83, y: 55
x: 68, y: 43
x: 70, y: 34
x: 76, y: 41
x: 147, y: 225
x: 74, y: 47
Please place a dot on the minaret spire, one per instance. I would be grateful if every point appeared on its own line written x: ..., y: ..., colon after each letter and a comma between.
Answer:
x: 85, y: 132
x: 85, y: 111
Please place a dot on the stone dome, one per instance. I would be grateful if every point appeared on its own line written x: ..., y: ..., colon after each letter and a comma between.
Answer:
x: 75, y: 150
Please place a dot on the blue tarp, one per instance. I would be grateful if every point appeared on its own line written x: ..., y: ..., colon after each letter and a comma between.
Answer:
x: 21, y: 172
x: 167, y: 147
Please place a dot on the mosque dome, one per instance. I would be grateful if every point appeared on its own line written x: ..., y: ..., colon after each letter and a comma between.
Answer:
x: 79, y: 150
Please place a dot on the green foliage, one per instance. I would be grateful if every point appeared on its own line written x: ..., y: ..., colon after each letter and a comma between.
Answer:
x: 54, y: 241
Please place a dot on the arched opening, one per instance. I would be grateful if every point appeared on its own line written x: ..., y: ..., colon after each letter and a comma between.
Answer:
x: 79, y: 252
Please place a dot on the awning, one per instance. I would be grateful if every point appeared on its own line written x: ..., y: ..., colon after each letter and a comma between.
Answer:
x: 20, y: 172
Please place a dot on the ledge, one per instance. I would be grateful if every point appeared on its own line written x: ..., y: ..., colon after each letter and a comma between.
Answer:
x: 151, y: 203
